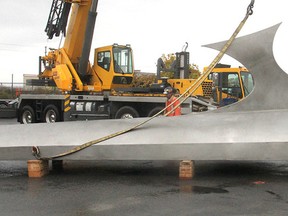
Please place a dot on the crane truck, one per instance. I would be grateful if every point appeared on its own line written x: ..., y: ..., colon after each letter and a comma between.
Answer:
x: 101, y: 90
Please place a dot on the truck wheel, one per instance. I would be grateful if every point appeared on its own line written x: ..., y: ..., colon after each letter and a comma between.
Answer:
x: 154, y: 111
x: 126, y: 112
x: 51, y: 114
x: 3, y: 104
x: 27, y: 115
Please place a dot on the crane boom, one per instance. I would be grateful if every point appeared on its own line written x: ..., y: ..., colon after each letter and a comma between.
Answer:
x: 80, y: 30
x: 83, y: 62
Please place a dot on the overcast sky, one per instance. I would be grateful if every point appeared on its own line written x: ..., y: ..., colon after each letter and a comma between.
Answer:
x: 152, y: 27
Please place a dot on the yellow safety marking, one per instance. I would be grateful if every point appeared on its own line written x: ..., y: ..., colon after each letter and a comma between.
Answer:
x: 67, y: 109
x: 67, y: 103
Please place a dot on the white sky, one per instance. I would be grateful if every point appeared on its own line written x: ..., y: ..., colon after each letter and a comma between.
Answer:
x: 152, y: 27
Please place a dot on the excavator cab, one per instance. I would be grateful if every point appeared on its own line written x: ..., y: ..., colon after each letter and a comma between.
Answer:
x: 230, y: 84
x: 113, y: 66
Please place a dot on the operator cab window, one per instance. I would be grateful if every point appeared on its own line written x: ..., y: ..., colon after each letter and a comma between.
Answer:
x: 247, y: 82
x: 231, y: 84
x: 104, y: 60
x: 122, y: 60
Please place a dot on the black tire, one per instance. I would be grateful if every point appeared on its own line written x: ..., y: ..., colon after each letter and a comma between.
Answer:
x: 155, y: 110
x: 126, y: 112
x: 27, y: 115
x: 3, y: 104
x: 51, y: 114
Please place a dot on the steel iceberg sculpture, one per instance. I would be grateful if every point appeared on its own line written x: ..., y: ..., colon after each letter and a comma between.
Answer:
x: 252, y: 129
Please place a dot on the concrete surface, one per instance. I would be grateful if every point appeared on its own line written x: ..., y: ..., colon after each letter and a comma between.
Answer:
x: 146, y: 188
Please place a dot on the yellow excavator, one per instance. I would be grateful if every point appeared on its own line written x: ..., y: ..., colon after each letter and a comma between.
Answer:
x: 223, y: 86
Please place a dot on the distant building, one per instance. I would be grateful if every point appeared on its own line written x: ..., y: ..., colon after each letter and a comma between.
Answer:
x: 28, y: 77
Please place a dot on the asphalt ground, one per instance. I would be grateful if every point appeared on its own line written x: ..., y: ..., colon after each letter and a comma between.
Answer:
x: 8, y: 121
x: 145, y: 188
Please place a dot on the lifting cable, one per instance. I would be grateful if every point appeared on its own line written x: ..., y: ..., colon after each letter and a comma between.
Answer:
x: 188, y: 92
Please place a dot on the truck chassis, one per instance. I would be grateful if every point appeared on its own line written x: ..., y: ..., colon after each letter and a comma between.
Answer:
x: 35, y: 108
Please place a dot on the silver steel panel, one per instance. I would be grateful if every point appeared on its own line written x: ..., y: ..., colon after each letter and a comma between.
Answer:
x: 137, y: 99
x: 87, y: 97
x: 42, y: 96
x: 203, y: 136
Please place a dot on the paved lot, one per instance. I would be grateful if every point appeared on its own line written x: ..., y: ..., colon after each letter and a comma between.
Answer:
x: 146, y: 188
x: 8, y: 121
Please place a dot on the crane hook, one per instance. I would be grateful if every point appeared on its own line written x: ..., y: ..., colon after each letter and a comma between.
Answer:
x: 250, y: 7
x: 185, y: 47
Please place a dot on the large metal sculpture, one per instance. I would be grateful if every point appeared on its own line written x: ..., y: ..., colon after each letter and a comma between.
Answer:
x: 252, y: 129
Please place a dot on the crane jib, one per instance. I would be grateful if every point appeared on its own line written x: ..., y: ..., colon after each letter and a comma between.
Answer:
x: 58, y: 17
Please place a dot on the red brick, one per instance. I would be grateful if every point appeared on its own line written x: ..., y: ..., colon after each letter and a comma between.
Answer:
x: 37, y: 168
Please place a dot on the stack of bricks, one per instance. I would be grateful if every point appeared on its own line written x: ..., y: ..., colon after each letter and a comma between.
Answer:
x: 37, y: 168
x: 186, y: 169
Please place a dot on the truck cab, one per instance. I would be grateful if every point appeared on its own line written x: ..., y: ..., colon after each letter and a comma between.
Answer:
x: 113, y: 67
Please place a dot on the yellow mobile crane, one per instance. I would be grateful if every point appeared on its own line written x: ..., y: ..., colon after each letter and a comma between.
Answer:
x: 90, y: 91
x: 69, y: 66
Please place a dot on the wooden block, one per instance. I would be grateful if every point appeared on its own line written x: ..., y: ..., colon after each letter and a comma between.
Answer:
x: 37, y: 168
x: 186, y: 169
